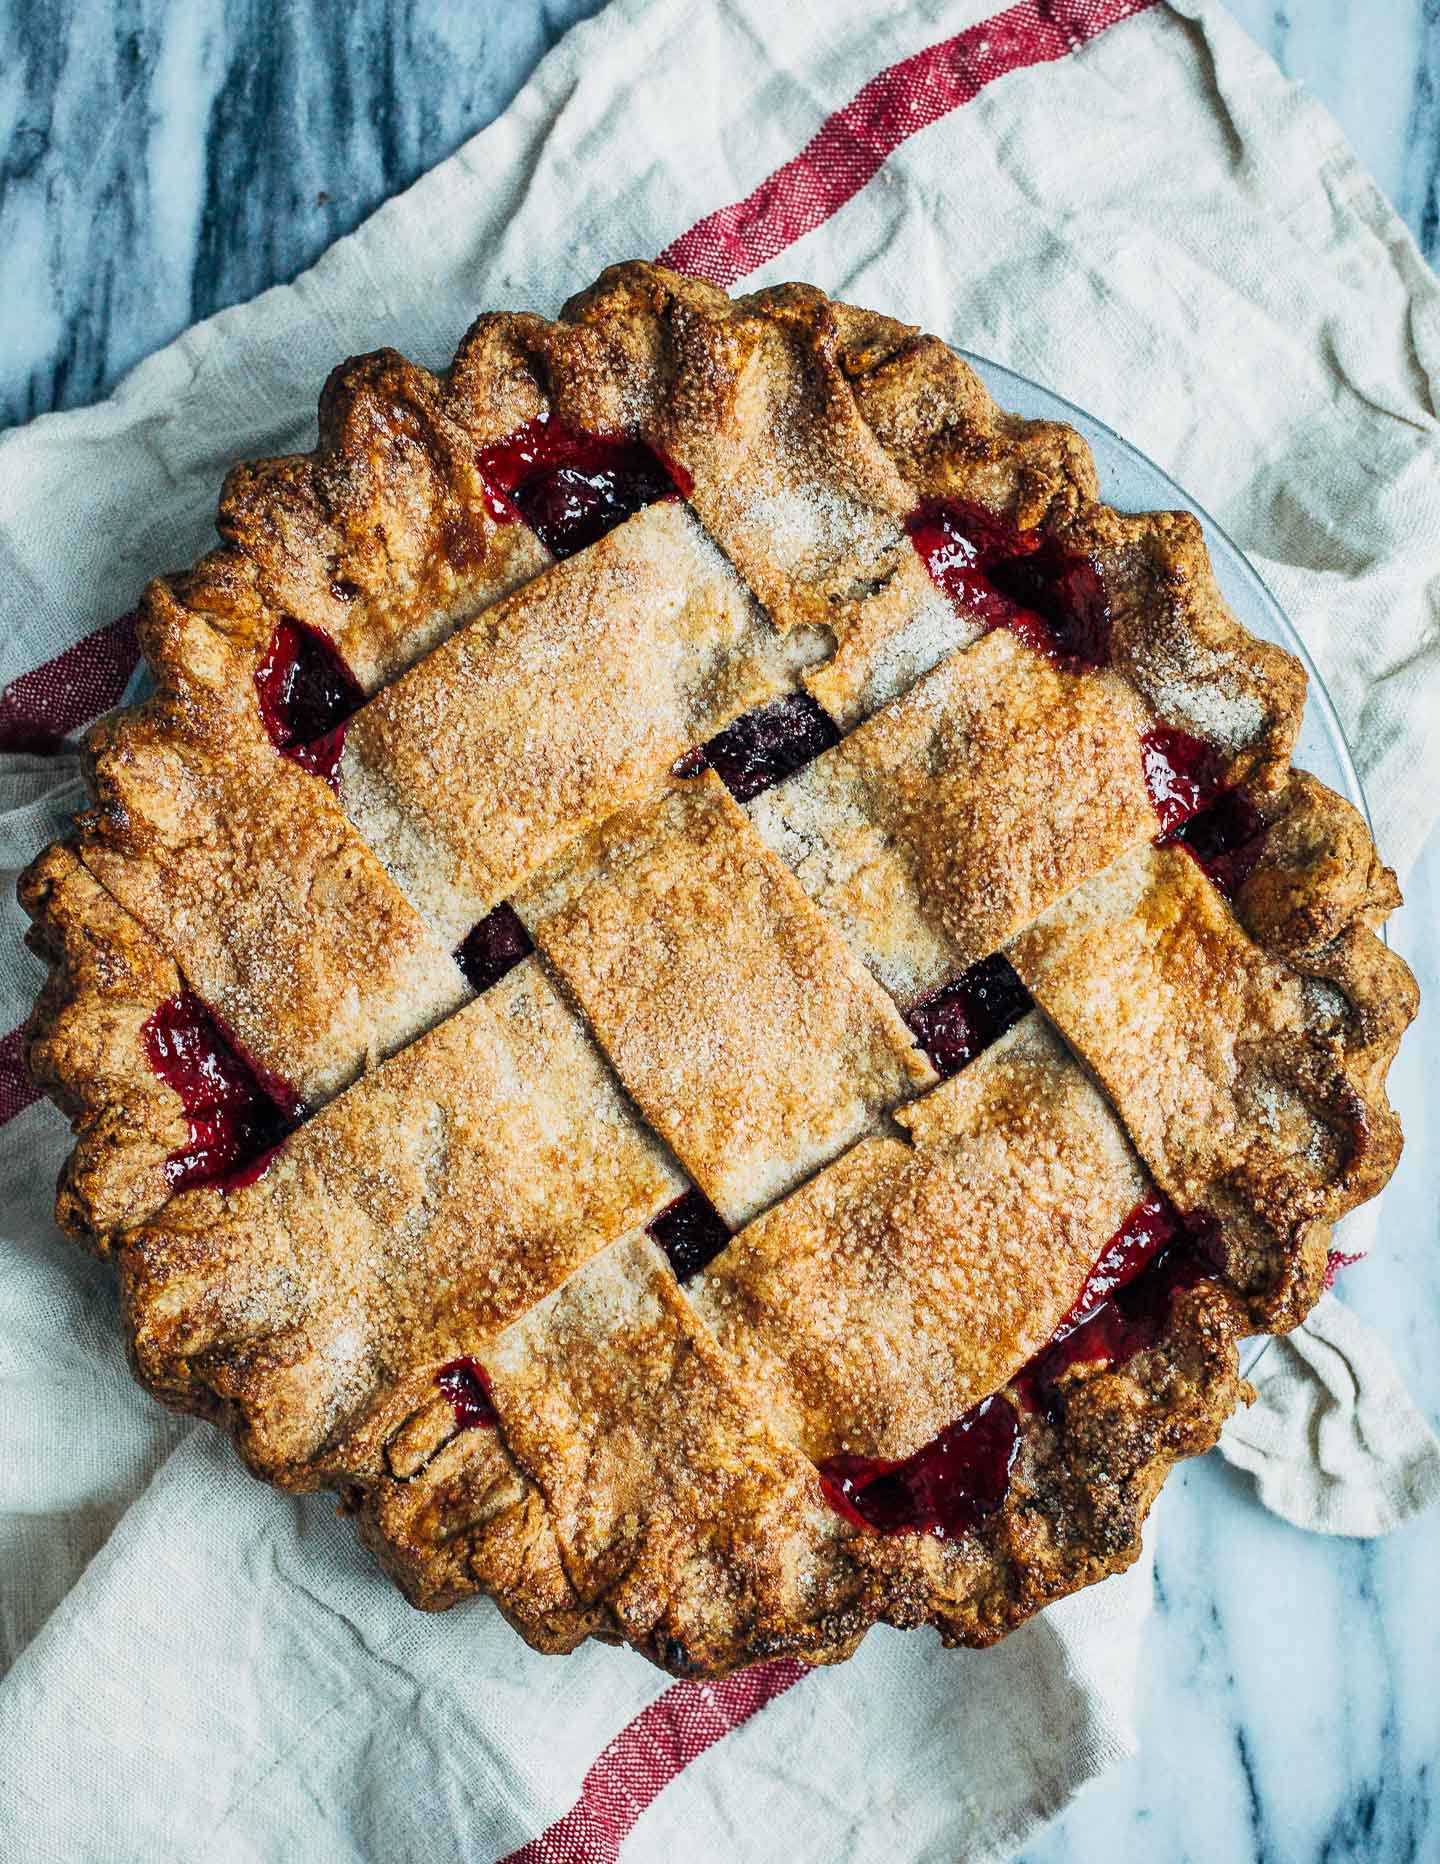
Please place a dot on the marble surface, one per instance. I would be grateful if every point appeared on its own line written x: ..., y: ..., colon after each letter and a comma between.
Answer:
x: 164, y: 160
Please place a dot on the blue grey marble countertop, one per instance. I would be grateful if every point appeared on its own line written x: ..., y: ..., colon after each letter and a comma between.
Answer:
x: 161, y: 161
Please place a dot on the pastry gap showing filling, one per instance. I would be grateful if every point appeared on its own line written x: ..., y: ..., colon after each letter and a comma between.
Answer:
x: 954, y: 1023
x: 764, y: 746
x: 944, y: 1489
x: 467, y: 1385
x: 950, y: 1484
x: 571, y: 488
x: 691, y: 1232
x: 1125, y: 1302
x: 1218, y: 827
x: 306, y: 694
x: 493, y: 946
x: 239, y: 1112
x: 1052, y: 598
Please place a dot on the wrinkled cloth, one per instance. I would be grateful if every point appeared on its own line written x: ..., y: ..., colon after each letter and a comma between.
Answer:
x: 1126, y: 202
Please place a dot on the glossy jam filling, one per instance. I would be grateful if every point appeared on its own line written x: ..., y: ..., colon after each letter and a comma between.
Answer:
x: 1115, y: 1326
x: 1218, y: 827
x: 238, y: 1112
x: 1052, y: 598
x: 1183, y: 774
x: 765, y: 746
x: 492, y: 947
x: 959, y: 1020
x: 571, y: 488
x: 963, y: 1474
x: 691, y: 1232
x: 944, y: 1489
x: 467, y: 1385
x: 306, y: 694
x: 1225, y: 840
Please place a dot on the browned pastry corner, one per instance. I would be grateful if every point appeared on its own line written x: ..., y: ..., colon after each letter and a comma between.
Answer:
x: 705, y: 986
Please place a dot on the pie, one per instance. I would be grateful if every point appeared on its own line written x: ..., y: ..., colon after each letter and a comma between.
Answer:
x: 706, y: 986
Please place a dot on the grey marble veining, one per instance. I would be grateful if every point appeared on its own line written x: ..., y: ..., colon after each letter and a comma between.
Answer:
x: 162, y: 160
x: 165, y: 158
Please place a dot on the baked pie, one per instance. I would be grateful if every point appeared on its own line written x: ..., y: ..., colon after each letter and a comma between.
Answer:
x: 706, y: 986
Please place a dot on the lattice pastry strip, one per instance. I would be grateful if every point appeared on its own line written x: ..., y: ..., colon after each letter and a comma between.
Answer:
x: 1237, y: 1070
x: 904, y: 1283
x: 478, y: 766
x: 753, y: 1040
x: 246, y: 872
x: 957, y: 814
x: 416, y: 1215
x: 672, y: 1499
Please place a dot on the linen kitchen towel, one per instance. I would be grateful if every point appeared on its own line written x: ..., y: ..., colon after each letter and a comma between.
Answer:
x: 1123, y: 199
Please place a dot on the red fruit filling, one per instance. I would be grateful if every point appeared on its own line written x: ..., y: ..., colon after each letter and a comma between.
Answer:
x: 467, y: 1385
x: 492, y: 947
x: 571, y: 488
x: 763, y: 746
x: 1183, y: 774
x: 1125, y: 1303
x: 954, y: 1023
x: 963, y: 1474
x: 306, y: 693
x: 1225, y: 840
x: 238, y: 1111
x: 947, y: 1486
x: 1052, y: 598
x: 1220, y: 828
x: 691, y: 1232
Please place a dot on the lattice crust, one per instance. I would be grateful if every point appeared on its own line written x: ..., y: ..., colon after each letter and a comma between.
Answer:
x: 244, y: 867
x: 472, y: 1207
x: 956, y: 815
x: 812, y: 430
x: 1247, y: 1076
x: 441, y: 772
x: 672, y: 1499
x: 796, y: 472
x: 728, y: 1005
x: 905, y: 1283
x: 415, y: 1216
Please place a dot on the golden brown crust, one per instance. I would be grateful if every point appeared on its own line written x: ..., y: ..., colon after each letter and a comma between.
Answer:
x: 686, y: 651
x: 382, y: 538
x: 1317, y: 898
x: 1081, y: 1486
x: 411, y: 1219
x: 752, y: 1039
x: 957, y: 814
x: 85, y: 1047
x: 903, y: 1284
x: 244, y: 869
x: 674, y: 1502
x: 478, y: 1193
x: 1246, y: 1051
